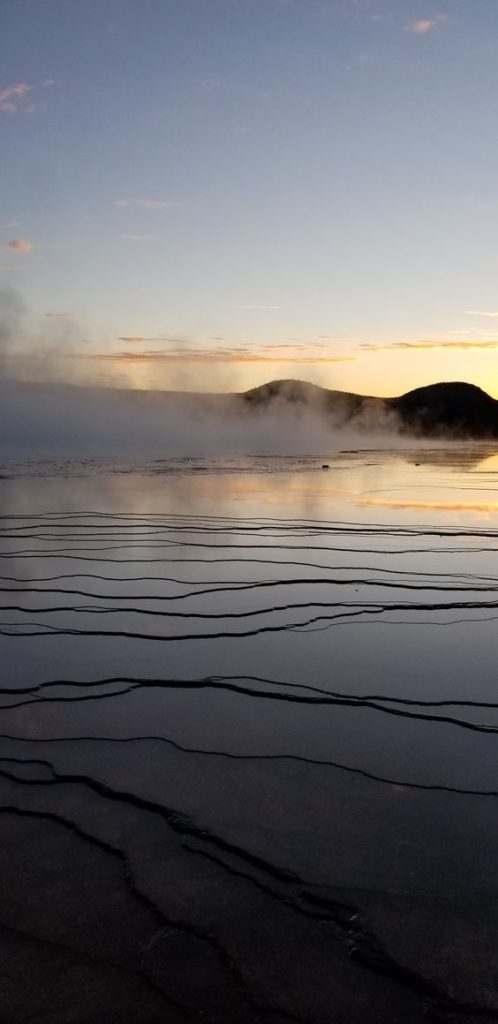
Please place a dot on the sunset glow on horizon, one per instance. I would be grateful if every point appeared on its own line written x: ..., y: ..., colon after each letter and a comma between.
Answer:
x: 211, y: 196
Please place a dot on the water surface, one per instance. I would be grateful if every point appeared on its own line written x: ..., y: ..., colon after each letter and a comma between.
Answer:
x: 249, y: 718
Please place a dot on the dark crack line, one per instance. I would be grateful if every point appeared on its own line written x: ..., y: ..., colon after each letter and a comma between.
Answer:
x: 266, y: 680
x: 359, y: 943
x: 80, y: 954
x: 141, y: 897
x: 232, y: 684
x: 228, y: 755
x: 366, y: 606
x: 37, y: 629
x: 16, y: 555
x: 291, y: 698
x: 155, y: 518
x: 233, y: 588
x: 427, y: 575
x: 136, y: 893
x: 256, y: 524
x: 62, y: 700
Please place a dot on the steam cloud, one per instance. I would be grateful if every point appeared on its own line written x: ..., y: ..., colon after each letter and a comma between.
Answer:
x: 61, y: 419
x: 58, y: 418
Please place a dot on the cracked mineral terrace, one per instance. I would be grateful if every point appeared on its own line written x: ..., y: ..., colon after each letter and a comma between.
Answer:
x: 249, y: 739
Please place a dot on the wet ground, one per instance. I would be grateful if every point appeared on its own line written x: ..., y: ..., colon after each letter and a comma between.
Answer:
x: 249, y: 739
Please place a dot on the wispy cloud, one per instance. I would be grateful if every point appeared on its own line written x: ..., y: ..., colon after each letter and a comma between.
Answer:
x: 18, y: 245
x: 482, y: 312
x: 146, y: 204
x: 138, y: 339
x: 58, y: 316
x: 13, y: 97
x: 425, y: 25
x: 138, y: 238
x: 252, y: 305
x: 425, y: 345
x: 9, y: 266
x: 240, y: 354
x: 289, y: 351
x: 337, y: 337
x: 211, y: 84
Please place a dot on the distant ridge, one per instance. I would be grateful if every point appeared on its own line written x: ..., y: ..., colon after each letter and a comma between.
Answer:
x: 300, y: 392
x: 450, y: 410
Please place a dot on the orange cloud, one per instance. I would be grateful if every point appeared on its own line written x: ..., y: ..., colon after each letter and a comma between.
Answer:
x: 195, y: 355
x: 12, y: 96
x: 427, y: 345
x: 482, y: 312
x: 138, y: 339
x: 278, y: 349
x: 295, y: 347
x: 9, y: 266
x: 424, y: 25
x: 18, y: 245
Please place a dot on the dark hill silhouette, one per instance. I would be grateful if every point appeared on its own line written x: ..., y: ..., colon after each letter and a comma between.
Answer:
x: 449, y: 409
x: 452, y: 410
x: 344, y: 405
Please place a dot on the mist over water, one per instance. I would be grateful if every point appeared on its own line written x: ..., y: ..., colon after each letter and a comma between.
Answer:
x: 258, y: 702
x: 47, y: 408
x: 64, y: 420
x: 248, y: 658
x: 43, y: 410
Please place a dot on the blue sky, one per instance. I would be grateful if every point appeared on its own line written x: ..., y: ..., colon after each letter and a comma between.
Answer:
x: 256, y: 188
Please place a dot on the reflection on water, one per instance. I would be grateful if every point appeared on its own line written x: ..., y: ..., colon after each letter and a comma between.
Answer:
x: 247, y: 725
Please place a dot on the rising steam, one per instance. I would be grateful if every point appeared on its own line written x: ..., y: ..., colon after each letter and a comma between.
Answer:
x: 41, y: 412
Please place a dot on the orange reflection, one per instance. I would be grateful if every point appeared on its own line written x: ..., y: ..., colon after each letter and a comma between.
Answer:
x: 440, y: 506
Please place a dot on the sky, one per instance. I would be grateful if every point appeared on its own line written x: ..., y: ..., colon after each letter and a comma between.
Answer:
x: 211, y: 194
